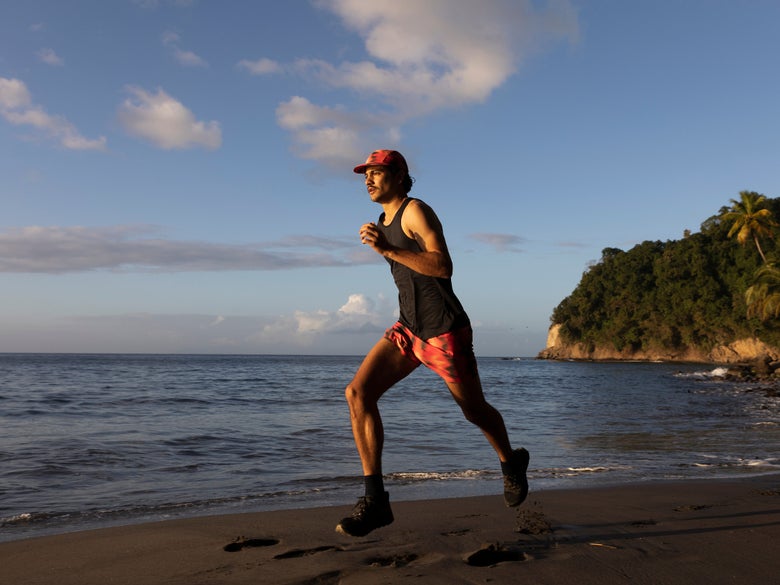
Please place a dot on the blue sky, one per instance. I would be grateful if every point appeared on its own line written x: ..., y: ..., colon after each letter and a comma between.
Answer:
x: 176, y: 174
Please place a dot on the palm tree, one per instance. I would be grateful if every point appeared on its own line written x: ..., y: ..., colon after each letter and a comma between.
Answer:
x: 763, y: 298
x: 750, y: 219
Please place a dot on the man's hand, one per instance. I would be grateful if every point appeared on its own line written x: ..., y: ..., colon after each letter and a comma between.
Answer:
x: 371, y: 236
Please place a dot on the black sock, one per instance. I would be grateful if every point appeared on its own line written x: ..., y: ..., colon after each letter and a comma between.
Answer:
x: 374, y: 485
x: 506, y: 467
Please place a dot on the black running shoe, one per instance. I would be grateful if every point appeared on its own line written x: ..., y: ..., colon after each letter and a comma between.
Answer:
x: 515, y: 480
x: 368, y: 514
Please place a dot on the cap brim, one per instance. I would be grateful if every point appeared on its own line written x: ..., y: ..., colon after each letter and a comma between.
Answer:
x: 360, y: 169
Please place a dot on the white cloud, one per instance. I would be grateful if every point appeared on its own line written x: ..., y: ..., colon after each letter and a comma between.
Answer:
x: 260, y: 66
x: 17, y: 107
x: 332, y: 136
x: 166, y: 122
x: 169, y: 37
x: 49, y: 57
x: 423, y: 57
x: 186, y: 58
x: 358, y: 314
x: 311, y: 322
x: 13, y: 94
x: 440, y: 53
x: 322, y: 133
x: 357, y: 305
x: 57, y: 250
x: 361, y: 320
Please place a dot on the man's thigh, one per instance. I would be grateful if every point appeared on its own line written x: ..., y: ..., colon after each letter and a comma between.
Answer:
x: 382, y: 368
x: 468, y: 391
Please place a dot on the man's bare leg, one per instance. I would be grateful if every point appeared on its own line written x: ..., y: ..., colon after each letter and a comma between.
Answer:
x: 514, y: 464
x: 381, y: 369
x: 471, y: 399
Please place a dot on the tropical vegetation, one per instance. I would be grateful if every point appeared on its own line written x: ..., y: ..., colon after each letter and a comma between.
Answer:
x: 707, y: 289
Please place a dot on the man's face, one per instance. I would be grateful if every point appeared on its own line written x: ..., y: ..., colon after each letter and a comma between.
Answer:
x: 380, y: 184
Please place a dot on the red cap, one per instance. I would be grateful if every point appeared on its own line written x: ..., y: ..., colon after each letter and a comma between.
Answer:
x: 384, y: 158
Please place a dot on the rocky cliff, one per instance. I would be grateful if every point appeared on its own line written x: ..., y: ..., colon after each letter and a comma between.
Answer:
x: 740, y: 351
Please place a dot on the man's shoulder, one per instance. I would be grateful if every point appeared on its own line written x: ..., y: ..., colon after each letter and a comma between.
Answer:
x: 420, y: 208
x: 417, y: 204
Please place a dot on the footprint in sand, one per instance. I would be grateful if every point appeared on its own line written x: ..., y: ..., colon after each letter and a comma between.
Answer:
x: 494, y: 554
x: 462, y: 532
x: 330, y: 578
x: 241, y: 543
x: 649, y: 522
x: 392, y: 561
x: 297, y: 553
x: 692, y: 508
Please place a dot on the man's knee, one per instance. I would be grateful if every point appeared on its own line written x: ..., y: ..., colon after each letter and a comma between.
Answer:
x: 356, y: 396
x: 351, y: 393
x: 470, y: 411
x: 476, y: 412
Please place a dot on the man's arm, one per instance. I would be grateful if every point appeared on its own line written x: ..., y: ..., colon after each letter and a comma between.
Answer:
x: 420, y: 223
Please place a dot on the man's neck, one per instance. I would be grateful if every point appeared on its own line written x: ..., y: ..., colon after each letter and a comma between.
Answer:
x: 392, y: 206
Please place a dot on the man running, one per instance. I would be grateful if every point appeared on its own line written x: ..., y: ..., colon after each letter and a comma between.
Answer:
x: 433, y: 329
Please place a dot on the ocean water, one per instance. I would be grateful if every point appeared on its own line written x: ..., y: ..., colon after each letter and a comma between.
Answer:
x: 98, y: 440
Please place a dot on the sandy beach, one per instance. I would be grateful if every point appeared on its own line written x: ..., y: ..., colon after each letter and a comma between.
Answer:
x: 711, y: 531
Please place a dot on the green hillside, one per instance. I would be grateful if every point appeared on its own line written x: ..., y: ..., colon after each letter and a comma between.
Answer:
x: 707, y: 289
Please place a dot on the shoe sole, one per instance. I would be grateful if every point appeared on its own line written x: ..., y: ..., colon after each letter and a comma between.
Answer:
x: 526, y: 460
x: 341, y: 530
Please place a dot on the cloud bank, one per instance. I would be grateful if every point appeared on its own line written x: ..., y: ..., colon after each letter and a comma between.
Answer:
x: 500, y: 242
x: 134, y: 248
x: 57, y: 250
x: 349, y: 329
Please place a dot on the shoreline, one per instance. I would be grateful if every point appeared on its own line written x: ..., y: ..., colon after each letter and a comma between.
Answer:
x: 18, y: 528
x: 713, y: 531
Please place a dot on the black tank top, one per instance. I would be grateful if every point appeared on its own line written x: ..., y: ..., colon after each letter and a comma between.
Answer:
x: 428, y: 304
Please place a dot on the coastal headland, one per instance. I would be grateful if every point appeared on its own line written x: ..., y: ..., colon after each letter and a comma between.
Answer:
x: 742, y: 351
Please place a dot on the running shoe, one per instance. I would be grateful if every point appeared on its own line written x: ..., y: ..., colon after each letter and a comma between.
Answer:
x: 368, y: 514
x: 515, y: 479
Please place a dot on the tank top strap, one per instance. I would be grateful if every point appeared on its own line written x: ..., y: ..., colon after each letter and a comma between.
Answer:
x: 398, y: 214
